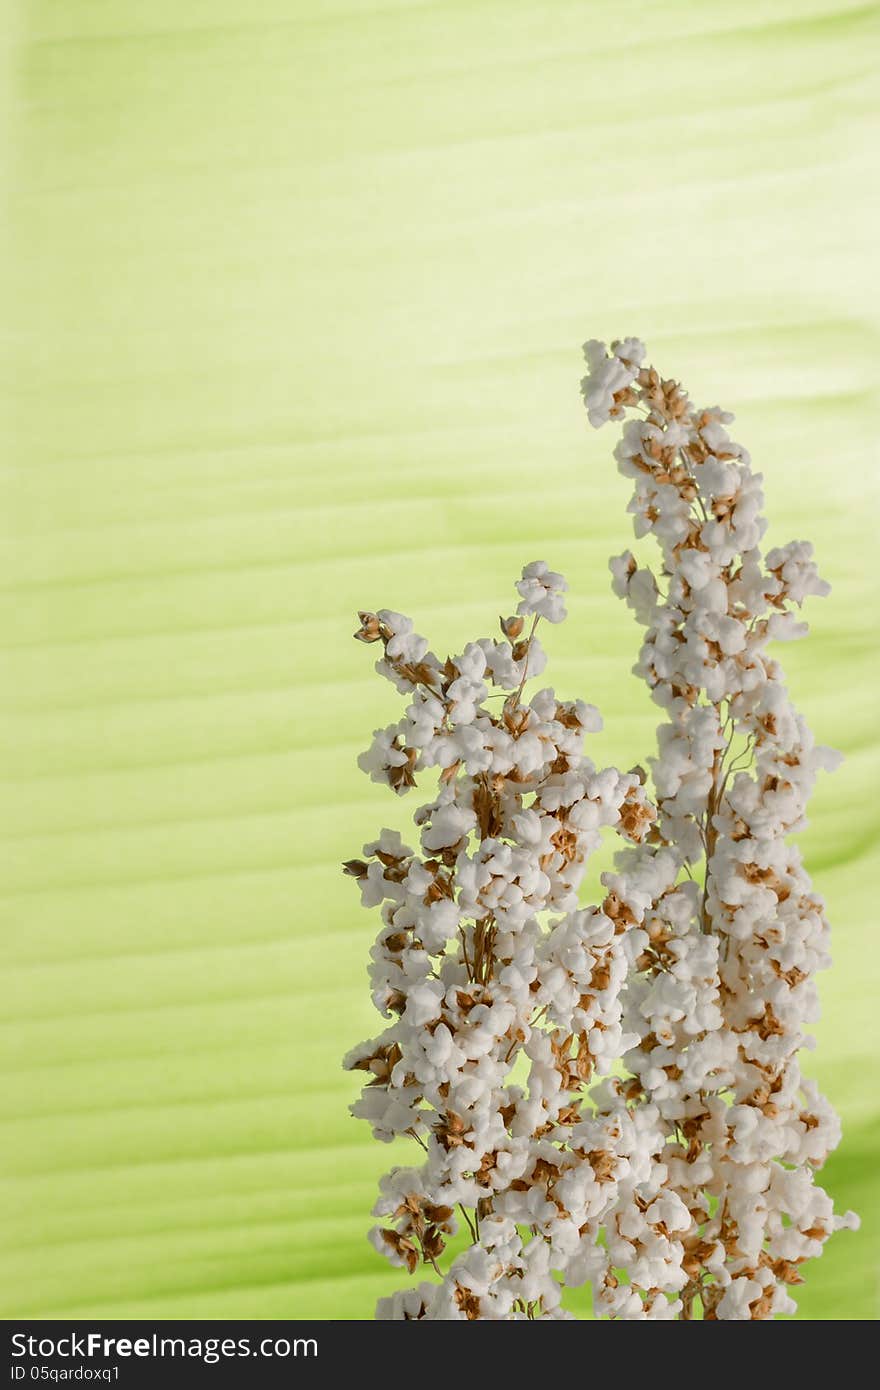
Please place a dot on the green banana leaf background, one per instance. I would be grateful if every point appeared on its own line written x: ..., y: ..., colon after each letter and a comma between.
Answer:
x: 294, y: 298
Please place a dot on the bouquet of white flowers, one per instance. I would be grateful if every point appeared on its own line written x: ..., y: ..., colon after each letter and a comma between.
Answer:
x: 660, y: 1142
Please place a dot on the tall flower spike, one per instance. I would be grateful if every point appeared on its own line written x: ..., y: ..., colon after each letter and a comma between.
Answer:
x: 726, y: 932
x: 485, y: 959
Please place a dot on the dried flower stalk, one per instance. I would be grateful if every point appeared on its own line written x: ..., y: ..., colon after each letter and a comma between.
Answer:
x: 485, y: 959
x: 727, y: 931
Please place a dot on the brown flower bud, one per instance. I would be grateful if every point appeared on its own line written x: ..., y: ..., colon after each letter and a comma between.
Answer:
x: 355, y: 868
x: 370, y: 628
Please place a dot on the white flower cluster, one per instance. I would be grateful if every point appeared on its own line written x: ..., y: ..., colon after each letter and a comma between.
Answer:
x: 680, y: 1184
x: 725, y: 930
x: 484, y: 961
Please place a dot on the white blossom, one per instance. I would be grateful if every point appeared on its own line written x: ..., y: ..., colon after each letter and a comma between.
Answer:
x: 541, y: 591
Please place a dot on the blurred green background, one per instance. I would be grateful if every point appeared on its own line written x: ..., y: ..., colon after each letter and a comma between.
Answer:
x: 294, y: 297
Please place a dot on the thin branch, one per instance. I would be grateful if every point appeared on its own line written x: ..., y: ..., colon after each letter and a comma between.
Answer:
x: 525, y: 673
x: 470, y: 1225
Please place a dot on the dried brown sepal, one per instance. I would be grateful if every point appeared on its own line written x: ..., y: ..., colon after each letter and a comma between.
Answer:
x: 370, y: 629
x: 512, y: 627
x: 468, y: 1302
x: 355, y: 868
x: 403, y: 1247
